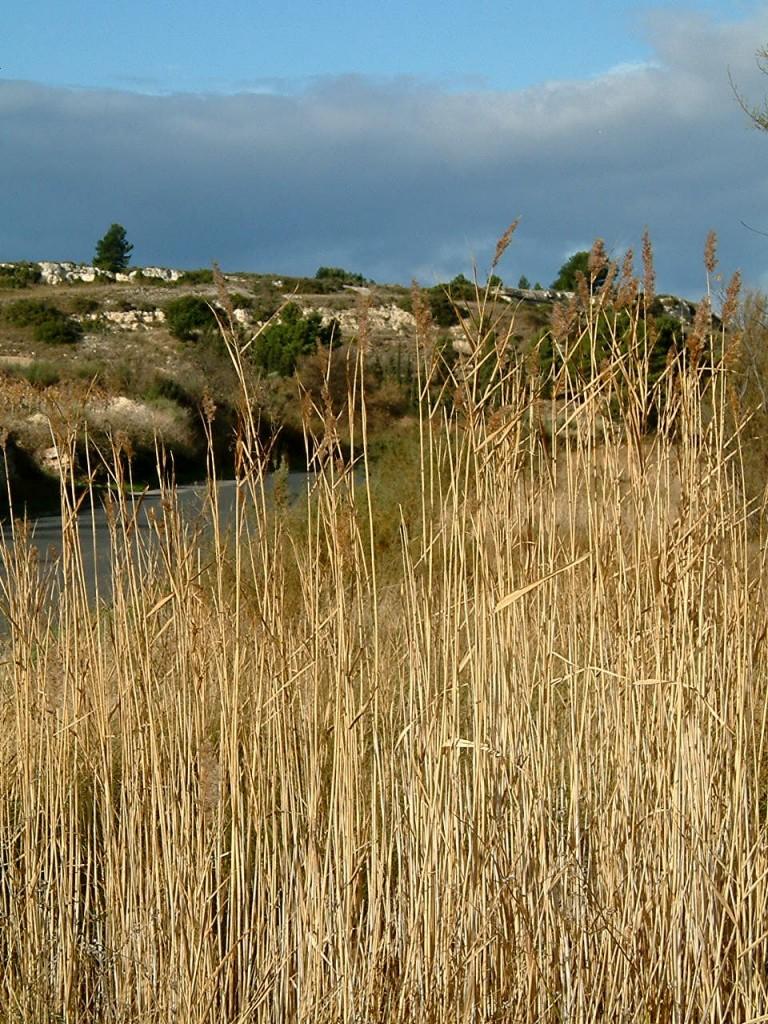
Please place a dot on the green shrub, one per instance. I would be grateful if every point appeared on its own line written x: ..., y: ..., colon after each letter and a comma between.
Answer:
x: 443, y: 305
x: 170, y: 389
x: 240, y: 301
x: 134, y: 306
x: 278, y: 348
x: 190, y: 318
x: 20, y: 275
x: 580, y: 353
x: 462, y: 288
x: 121, y: 376
x: 339, y: 276
x: 42, y: 374
x: 82, y: 305
x: 265, y: 309
x: 327, y: 280
x: 39, y: 373
x: 61, y: 330
x: 202, y: 276
x: 27, y: 312
x: 87, y: 371
x: 50, y: 325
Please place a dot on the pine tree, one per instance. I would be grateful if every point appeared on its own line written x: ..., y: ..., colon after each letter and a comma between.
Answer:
x: 113, y: 251
x: 567, y: 277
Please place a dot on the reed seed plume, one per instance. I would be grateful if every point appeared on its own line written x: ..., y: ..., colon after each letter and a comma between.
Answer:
x: 700, y: 331
x: 626, y: 292
x: 503, y: 243
x: 710, y: 253
x: 222, y: 294
x: 731, y: 301
x: 598, y: 258
x: 649, y: 271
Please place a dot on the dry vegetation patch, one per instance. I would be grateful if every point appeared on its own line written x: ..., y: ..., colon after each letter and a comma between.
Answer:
x: 485, y: 744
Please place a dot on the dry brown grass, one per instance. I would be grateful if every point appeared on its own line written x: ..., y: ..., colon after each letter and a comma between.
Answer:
x: 522, y: 780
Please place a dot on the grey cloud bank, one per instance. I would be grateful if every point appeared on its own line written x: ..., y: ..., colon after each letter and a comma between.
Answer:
x: 400, y: 180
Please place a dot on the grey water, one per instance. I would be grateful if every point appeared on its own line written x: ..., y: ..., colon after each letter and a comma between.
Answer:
x: 142, y: 516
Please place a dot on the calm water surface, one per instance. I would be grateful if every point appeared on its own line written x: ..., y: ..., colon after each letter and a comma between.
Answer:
x: 144, y: 513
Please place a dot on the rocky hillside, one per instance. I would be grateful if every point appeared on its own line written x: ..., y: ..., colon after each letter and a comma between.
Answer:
x: 91, y: 362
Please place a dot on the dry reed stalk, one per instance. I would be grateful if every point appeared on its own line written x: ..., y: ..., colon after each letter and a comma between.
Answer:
x: 534, y: 789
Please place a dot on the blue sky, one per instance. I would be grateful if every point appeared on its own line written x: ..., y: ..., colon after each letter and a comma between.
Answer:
x: 170, y: 46
x: 396, y: 139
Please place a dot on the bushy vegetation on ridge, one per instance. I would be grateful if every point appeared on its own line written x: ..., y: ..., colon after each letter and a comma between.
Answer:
x: 19, y: 275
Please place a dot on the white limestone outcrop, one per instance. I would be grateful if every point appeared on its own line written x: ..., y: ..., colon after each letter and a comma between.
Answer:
x: 380, y: 318
x: 64, y: 272
x: 132, y: 319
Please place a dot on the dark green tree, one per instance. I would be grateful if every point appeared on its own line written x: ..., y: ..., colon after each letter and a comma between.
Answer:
x: 568, y: 274
x: 523, y: 282
x: 279, y: 347
x: 443, y: 304
x: 113, y: 251
x: 190, y: 318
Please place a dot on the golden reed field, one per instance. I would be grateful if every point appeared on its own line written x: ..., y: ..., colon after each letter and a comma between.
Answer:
x: 478, y: 737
